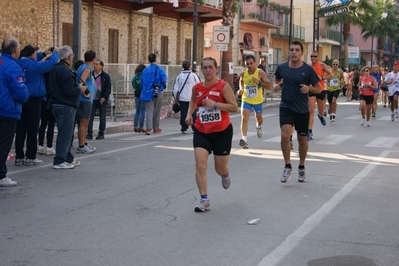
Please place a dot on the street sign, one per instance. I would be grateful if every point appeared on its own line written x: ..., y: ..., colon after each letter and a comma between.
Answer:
x: 221, y: 34
x: 353, y: 55
x: 221, y: 47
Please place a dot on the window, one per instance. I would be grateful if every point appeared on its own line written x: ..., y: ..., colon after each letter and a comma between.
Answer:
x: 187, y: 50
x: 67, y: 34
x: 113, y: 45
x: 164, y: 50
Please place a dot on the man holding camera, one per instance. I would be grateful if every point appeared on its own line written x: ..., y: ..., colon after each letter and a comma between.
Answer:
x: 86, y: 100
x: 153, y: 82
x: 28, y: 126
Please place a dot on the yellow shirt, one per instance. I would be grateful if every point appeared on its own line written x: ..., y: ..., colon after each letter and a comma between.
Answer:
x: 334, y: 84
x: 253, y: 93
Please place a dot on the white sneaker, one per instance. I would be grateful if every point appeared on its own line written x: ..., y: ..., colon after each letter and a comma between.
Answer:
x: 30, y: 162
x: 75, y: 163
x: 50, y: 151
x: 396, y: 115
x: 64, y: 165
x: 84, y: 149
x: 259, y: 132
x: 7, y: 182
x: 368, y: 124
x: 362, y: 122
x: 41, y: 150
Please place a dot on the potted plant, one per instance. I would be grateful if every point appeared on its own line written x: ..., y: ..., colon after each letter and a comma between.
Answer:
x: 263, y: 3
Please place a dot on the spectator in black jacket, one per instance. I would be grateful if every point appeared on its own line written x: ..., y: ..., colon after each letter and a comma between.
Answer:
x: 64, y: 99
x: 103, y: 83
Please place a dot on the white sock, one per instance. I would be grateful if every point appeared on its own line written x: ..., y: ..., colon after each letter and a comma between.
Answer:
x: 245, y: 138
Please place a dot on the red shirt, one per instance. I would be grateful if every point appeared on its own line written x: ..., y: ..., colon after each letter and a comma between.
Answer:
x: 210, y: 120
x: 366, y: 81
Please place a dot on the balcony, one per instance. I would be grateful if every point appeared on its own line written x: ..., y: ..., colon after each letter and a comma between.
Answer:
x: 208, y: 10
x: 297, y: 33
x: 256, y: 15
x: 332, y: 36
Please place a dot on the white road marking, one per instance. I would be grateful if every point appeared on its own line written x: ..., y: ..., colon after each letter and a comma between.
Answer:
x: 334, y: 139
x: 382, y: 142
x: 278, y: 254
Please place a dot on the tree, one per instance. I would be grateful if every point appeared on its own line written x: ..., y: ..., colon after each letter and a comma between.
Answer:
x: 381, y: 27
x: 229, y: 10
x: 353, y: 16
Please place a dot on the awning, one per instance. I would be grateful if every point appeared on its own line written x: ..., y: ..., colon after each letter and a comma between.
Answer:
x: 248, y: 52
x: 264, y: 54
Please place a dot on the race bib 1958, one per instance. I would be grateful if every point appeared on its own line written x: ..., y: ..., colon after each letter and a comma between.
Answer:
x: 209, y: 115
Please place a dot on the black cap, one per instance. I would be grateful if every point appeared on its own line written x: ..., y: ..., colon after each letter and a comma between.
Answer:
x: 29, y: 50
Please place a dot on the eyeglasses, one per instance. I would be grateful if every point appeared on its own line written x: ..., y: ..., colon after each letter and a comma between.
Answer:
x: 313, y: 56
x: 366, y: 71
x: 335, y: 64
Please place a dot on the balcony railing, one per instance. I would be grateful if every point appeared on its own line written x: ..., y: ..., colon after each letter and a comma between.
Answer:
x: 333, y: 35
x: 298, y: 32
x: 212, y: 3
x: 262, y: 14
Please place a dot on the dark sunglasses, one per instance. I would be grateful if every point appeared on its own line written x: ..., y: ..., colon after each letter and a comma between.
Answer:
x: 366, y: 71
x: 313, y: 56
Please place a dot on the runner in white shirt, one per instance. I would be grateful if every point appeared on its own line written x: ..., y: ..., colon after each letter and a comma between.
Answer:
x: 392, y: 79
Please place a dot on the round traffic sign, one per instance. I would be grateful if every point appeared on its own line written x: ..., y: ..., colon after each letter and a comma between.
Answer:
x: 221, y: 37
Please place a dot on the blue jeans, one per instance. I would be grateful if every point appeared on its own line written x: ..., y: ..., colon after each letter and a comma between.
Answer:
x: 65, y: 118
x: 102, y: 109
x: 7, y: 131
x: 138, y: 121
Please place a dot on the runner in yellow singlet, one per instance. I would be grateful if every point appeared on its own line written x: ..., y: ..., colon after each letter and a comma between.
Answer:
x: 333, y: 89
x: 252, y: 82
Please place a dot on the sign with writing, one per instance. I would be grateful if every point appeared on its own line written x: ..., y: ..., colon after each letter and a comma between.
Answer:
x: 221, y: 47
x: 353, y: 55
x: 330, y: 8
x: 221, y: 34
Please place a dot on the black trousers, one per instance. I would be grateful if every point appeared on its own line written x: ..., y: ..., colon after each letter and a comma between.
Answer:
x: 7, y: 131
x: 27, y: 128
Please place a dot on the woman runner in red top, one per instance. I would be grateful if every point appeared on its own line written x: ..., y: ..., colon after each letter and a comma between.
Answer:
x: 213, y: 131
x: 367, y: 85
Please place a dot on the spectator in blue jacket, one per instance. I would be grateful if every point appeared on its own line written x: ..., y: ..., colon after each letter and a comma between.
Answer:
x: 153, y: 82
x: 13, y: 92
x: 28, y: 126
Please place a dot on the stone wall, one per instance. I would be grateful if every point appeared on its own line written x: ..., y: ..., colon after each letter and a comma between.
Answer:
x: 39, y: 22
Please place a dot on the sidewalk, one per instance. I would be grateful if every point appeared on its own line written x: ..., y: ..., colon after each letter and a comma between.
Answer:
x: 125, y: 123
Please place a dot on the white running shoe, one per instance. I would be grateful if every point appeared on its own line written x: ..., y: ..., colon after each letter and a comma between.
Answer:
x: 203, y: 206
x: 75, y: 163
x: 63, y: 165
x: 396, y: 115
x: 259, y: 132
x: 301, y: 175
x: 30, y: 162
x: 362, y: 122
x: 84, y: 149
x: 50, y: 151
x: 41, y: 150
x: 286, y: 175
x: 7, y: 182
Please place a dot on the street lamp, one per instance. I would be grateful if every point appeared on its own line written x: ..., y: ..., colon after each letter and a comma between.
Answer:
x: 195, y: 25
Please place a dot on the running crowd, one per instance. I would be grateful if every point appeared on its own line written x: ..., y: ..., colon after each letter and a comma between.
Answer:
x: 43, y: 87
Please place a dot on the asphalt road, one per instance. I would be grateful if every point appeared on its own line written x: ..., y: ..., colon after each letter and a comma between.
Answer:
x: 132, y: 201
